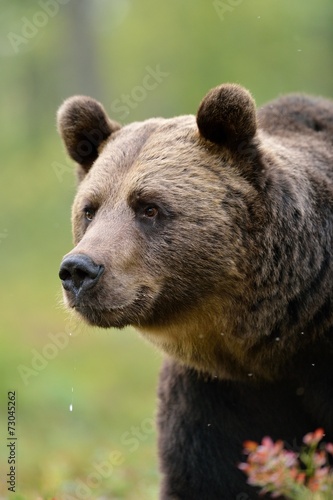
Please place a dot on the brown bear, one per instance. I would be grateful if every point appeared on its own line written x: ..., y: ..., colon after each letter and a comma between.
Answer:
x: 212, y: 235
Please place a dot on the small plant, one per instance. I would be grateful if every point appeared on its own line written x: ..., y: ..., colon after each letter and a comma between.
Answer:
x: 303, y: 475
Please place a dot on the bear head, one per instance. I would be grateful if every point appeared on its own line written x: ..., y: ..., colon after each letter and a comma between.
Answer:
x: 166, y: 223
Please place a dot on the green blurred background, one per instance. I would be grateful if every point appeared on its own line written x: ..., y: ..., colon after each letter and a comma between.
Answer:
x: 105, y: 448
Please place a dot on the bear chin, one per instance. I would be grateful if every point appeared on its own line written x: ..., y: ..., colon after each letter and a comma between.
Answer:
x: 136, y: 313
x: 102, y: 318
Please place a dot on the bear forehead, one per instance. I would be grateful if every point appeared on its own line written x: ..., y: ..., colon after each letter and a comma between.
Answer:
x: 152, y: 154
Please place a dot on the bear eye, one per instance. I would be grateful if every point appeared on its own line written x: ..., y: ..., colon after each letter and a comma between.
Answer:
x: 89, y: 213
x: 150, y: 211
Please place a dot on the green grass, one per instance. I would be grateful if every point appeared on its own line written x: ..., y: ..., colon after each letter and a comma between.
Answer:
x: 109, y: 378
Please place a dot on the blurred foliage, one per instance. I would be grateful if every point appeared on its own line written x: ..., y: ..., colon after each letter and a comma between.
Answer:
x: 50, y: 49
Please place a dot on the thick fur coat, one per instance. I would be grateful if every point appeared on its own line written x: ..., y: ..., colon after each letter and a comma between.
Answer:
x: 212, y: 235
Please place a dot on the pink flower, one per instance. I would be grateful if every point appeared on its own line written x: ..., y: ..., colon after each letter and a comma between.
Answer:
x: 317, y: 482
x: 319, y: 459
x: 249, y: 446
x: 263, y: 452
x: 268, y: 464
x: 329, y: 448
x: 300, y: 477
x: 313, y: 438
x: 290, y: 474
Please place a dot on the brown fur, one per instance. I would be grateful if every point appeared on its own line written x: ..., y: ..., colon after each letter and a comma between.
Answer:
x: 227, y: 115
x: 84, y: 128
x: 218, y: 222
x: 215, y: 234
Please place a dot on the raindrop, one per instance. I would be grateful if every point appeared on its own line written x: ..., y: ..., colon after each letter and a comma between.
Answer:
x: 208, y: 425
x: 313, y: 364
x: 277, y: 339
x: 71, y: 405
x: 302, y: 333
x: 250, y: 374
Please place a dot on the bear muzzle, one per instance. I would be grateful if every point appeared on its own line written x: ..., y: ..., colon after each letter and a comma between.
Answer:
x: 79, y: 273
x: 99, y: 303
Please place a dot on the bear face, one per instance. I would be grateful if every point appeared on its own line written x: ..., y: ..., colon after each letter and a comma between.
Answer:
x: 196, y: 231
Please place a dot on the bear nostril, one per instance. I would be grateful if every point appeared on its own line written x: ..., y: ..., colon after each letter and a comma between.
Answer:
x: 79, y: 272
x: 64, y: 274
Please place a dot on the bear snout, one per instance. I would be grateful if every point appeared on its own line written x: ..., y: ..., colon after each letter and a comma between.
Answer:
x: 79, y: 273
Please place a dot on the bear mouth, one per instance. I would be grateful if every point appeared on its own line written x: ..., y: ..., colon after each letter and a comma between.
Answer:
x: 104, y: 318
x: 119, y: 316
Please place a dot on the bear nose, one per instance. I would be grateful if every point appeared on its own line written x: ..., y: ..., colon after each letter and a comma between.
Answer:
x: 79, y: 272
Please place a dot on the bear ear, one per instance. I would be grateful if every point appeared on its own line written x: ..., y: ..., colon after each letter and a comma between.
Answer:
x: 84, y: 125
x: 227, y: 116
